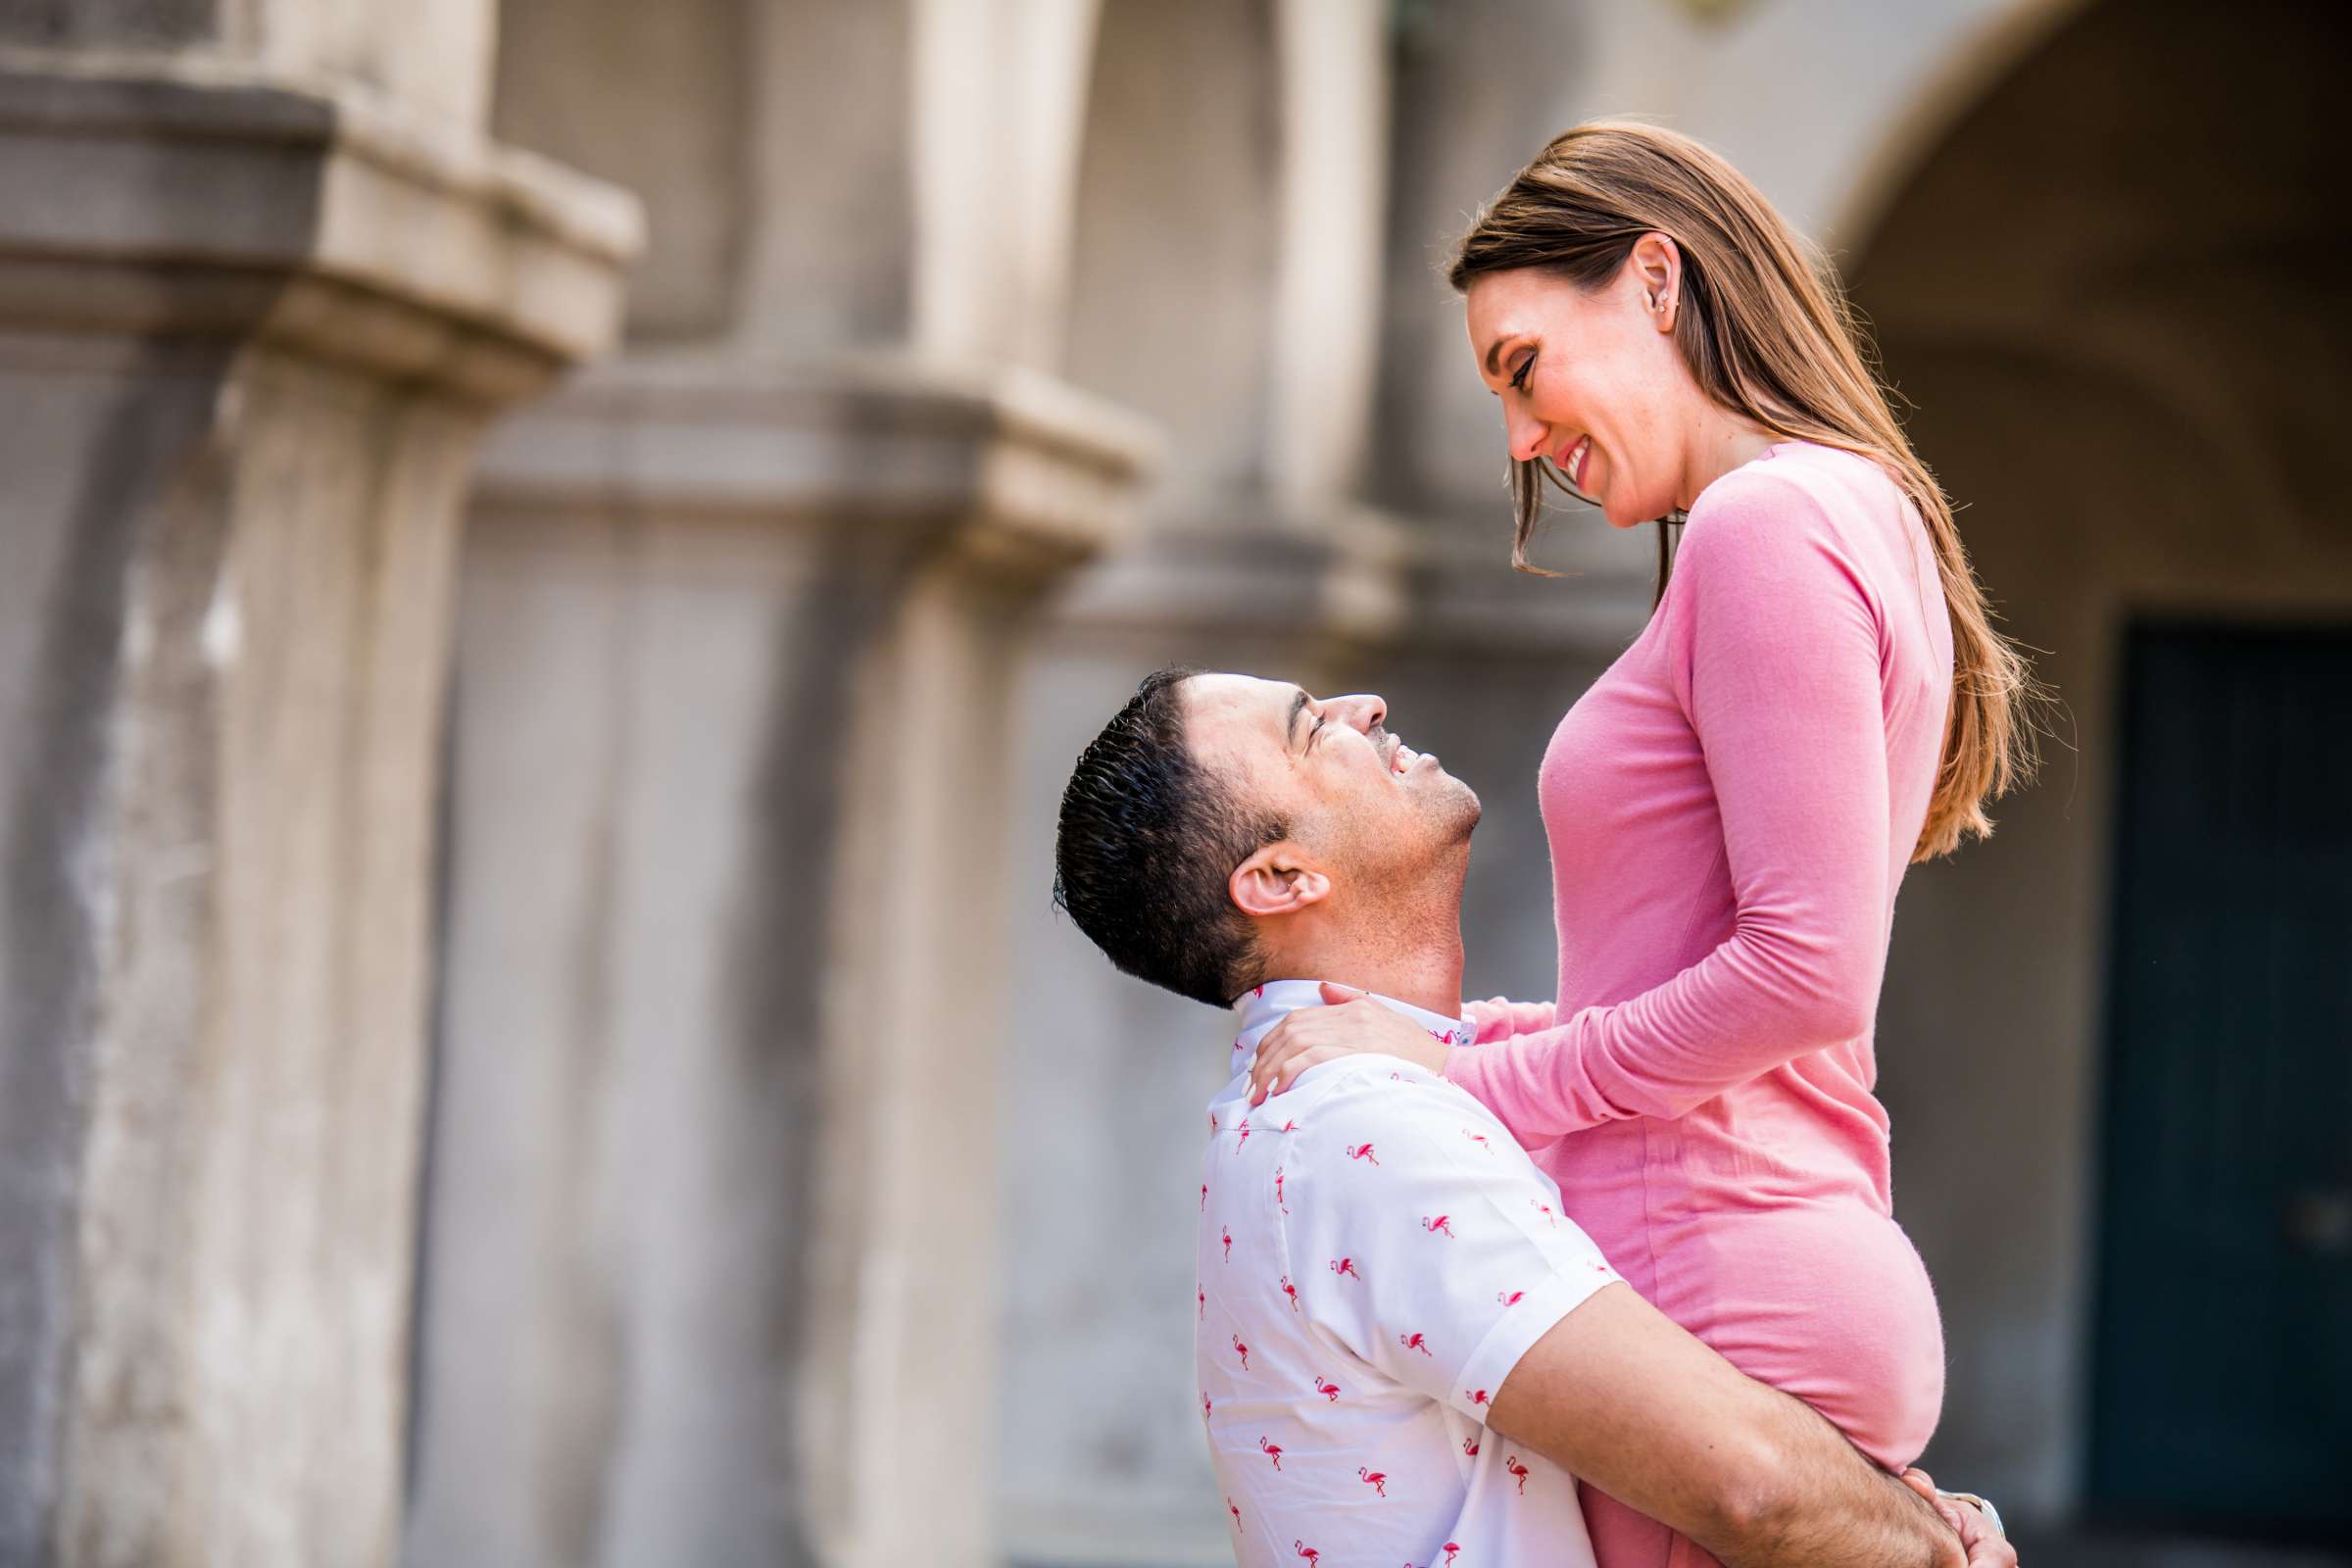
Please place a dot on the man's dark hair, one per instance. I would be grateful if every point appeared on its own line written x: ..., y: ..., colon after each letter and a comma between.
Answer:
x: 1148, y: 842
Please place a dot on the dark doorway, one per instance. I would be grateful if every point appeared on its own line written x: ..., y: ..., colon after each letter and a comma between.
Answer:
x: 2222, y: 1360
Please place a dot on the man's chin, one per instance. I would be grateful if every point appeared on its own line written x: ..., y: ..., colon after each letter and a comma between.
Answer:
x: 1466, y: 803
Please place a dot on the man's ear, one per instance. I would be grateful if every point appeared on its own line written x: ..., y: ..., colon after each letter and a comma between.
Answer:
x: 1279, y: 879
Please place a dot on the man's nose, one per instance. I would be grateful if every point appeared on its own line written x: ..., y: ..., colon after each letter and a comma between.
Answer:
x: 1362, y: 709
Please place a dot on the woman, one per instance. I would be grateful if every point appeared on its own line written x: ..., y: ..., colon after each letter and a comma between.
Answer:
x: 1819, y: 700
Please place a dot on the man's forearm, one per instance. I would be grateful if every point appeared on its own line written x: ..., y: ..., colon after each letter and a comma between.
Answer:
x: 1824, y: 1505
x: 1635, y: 1407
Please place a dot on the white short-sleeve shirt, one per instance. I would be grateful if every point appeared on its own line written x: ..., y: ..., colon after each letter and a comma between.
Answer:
x: 1376, y: 1255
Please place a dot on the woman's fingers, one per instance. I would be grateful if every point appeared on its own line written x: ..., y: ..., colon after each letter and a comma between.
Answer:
x: 1300, y: 1061
x: 1314, y: 1035
x: 1279, y: 1074
x: 1272, y: 1051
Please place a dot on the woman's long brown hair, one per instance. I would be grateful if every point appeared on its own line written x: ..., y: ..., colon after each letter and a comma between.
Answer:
x: 1767, y: 332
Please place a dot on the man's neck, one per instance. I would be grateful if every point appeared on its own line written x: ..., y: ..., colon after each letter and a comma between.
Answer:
x: 1415, y: 962
x: 1402, y: 939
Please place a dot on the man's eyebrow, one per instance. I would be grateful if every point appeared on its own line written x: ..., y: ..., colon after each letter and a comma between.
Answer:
x: 1290, y: 724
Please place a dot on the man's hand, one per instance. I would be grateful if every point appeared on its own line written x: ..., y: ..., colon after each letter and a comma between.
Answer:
x: 1985, y: 1544
x: 1352, y: 1021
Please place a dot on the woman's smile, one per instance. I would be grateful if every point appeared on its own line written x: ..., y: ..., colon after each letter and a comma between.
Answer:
x: 1571, y: 461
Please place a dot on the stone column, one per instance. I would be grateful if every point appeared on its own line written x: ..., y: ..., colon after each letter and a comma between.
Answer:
x: 251, y: 325
x: 709, y: 1256
x: 711, y: 1231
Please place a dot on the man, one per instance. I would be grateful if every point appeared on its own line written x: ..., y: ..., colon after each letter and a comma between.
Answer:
x: 1406, y: 1350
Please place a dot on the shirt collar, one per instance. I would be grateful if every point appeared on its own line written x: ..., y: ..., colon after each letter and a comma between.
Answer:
x: 1261, y: 1009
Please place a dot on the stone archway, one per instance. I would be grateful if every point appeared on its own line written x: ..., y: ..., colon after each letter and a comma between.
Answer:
x: 2123, y: 322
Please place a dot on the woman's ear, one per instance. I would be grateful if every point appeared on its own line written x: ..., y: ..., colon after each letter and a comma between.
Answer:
x: 1279, y: 879
x: 1656, y: 264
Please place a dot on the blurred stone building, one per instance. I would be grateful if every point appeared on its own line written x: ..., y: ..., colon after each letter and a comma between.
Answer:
x: 534, y: 1030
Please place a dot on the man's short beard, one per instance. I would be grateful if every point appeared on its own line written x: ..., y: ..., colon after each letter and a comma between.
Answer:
x: 1472, y: 809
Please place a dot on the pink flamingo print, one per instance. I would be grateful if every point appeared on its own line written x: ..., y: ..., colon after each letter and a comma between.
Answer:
x: 1241, y: 1350
x: 1511, y: 1462
x: 1207, y: 1405
x: 1288, y: 1127
x: 1478, y: 1396
x: 1228, y: 1231
x: 1511, y: 1297
x: 1212, y: 1121
x: 1451, y: 1552
x: 1549, y: 1218
x: 1235, y: 1512
x: 1439, y: 1226
x: 1377, y: 1480
x: 1326, y: 1387
x: 1278, y: 1200
x: 1479, y: 1139
x: 1311, y: 1555
x: 1363, y: 1152
x: 1204, y: 1198
x: 1243, y: 1124
x: 1201, y: 1297
x: 1290, y: 1291
x: 1443, y: 1037
x: 1470, y: 1446
x: 1344, y: 1268
x: 1273, y: 1452
x: 1413, y: 1341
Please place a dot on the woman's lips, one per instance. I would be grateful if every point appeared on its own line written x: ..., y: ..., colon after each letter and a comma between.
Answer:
x: 1571, y: 459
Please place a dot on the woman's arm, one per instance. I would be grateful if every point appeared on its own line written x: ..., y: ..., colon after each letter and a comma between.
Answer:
x: 1774, y: 654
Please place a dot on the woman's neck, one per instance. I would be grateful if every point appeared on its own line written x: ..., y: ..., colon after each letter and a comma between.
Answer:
x: 1722, y: 442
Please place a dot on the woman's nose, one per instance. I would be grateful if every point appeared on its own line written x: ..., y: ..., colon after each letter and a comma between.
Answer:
x: 1526, y: 436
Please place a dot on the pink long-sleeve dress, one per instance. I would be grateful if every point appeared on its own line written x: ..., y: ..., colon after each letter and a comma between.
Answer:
x: 1731, y: 808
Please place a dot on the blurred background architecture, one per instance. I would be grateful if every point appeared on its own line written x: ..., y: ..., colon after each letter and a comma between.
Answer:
x: 534, y: 1031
